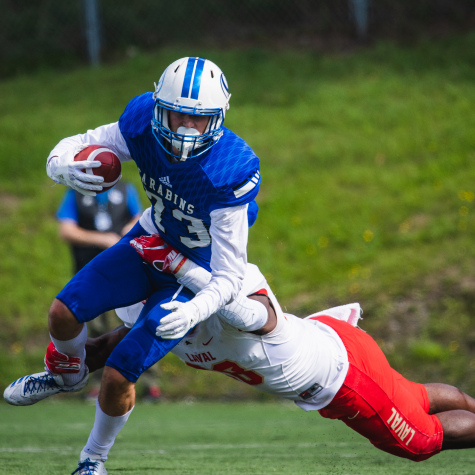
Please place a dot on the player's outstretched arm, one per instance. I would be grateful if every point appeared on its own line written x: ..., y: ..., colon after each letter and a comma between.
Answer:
x: 253, y: 314
x: 243, y: 313
x: 229, y: 232
x: 271, y: 321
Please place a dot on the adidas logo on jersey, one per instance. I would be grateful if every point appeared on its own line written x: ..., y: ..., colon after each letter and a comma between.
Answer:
x: 167, y: 193
x: 165, y: 180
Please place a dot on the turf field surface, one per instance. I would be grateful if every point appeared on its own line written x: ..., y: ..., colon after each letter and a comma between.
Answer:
x: 204, y: 439
x: 368, y: 195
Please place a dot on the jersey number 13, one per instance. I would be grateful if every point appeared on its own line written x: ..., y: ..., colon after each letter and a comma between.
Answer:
x: 196, y: 225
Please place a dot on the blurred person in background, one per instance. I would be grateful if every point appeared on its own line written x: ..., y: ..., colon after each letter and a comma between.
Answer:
x: 90, y: 224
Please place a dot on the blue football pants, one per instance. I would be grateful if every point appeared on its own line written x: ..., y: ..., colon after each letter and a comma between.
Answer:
x: 117, y: 278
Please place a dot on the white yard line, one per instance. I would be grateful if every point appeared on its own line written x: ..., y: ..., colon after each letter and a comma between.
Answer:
x: 191, y: 447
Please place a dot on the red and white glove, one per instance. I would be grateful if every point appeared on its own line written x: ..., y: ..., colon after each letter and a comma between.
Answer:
x: 58, y: 363
x: 158, y: 254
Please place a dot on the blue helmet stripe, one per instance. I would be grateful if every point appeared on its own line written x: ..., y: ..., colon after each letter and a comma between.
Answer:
x: 197, y: 79
x: 185, y: 92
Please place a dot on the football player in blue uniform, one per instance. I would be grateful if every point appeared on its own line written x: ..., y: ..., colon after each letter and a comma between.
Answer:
x: 201, y: 180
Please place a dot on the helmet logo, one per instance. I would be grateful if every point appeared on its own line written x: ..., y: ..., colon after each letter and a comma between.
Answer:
x: 224, y: 86
x: 192, y: 80
x: 158, y: 86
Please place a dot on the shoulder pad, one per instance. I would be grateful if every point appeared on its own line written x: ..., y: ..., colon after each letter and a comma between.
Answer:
x: 136, y: 118
x: 230, y: 162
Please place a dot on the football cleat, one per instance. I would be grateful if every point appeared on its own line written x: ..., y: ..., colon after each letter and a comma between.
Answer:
x: 36, y: 387
x: 90, y: 465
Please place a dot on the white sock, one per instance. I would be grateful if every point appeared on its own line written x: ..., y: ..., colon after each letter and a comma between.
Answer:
x: 104, y: 432
x: 75, y: 347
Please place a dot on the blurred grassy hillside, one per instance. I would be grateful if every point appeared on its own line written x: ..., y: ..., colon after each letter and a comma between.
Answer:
x: 368, y: 194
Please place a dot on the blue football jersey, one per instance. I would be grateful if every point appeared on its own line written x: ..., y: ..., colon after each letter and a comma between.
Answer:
x: 184, y: 194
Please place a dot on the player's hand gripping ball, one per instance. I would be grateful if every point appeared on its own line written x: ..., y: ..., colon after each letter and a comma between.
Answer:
x: 110, y: 169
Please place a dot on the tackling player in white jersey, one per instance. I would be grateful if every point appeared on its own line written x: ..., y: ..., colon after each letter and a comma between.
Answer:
x: 323, y: 363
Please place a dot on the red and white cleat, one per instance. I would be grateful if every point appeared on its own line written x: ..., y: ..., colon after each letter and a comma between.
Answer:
x: 35, y: 387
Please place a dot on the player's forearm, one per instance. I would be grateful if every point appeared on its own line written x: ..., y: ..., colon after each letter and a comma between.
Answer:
x: 229, y: 231
x: 193, y: 277
x: 129, y: 225
x: 219, y: 291
x: 108, y: 135
x: 76, y: 236
x: 242, y: 313
x: 99, y: 349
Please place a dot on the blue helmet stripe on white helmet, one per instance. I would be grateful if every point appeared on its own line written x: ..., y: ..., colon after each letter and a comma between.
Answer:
x: 197, y: 79
x: 196, y: 65
x: 185, y: 92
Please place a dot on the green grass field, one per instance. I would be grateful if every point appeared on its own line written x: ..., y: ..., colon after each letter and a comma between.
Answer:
x: 204, y: 439
x: 368, y: 194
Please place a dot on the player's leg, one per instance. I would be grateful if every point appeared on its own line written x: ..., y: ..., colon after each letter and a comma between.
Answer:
x: 139, y: 350
x: 443, y: 397
x: 456, y: 412
x: 453, y: 408
x: 459, y: 429
x: 115, y: 278
x: 378, y: 403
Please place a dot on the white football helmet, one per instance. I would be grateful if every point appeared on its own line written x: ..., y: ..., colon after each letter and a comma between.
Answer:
x: 193, y: 86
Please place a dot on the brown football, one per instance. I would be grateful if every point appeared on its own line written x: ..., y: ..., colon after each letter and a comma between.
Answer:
x: 110, y: 169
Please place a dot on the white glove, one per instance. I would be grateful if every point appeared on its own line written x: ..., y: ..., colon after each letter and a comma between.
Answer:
x: 183, y: 317
x: 66, y: 171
